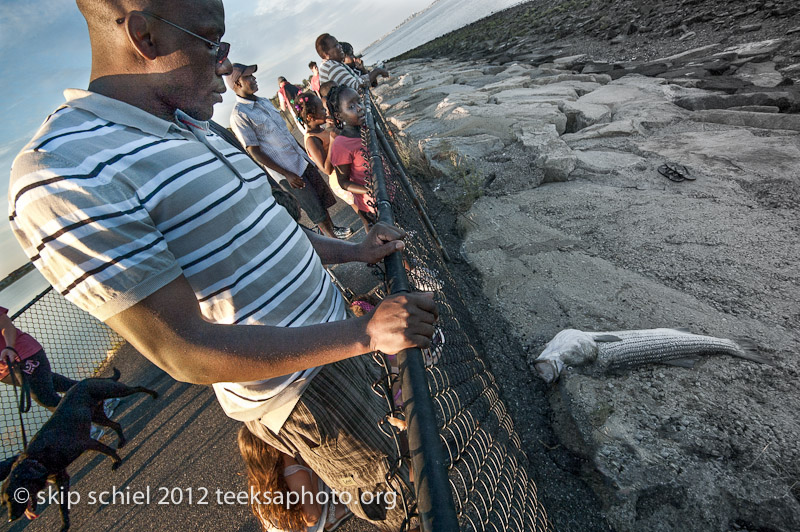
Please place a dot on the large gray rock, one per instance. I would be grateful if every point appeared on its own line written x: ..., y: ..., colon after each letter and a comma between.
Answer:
x: 604, y: 162
x: 432, y: 82
x: 627, y: 90
x: 552, y: 154
x: 523, y: 114
x: 704, y: 100
x: 442, y: 151
x: 572, y: 61
x: 760, y: 74
x: 614, y: 129
x: 733, y: 153
x: 749, y: 119
x: 602, y: 79
x: 582, y: 115
x: 516, y: 82
x: 555, y: 93
x: 753, y: 49
x: 687, y: 55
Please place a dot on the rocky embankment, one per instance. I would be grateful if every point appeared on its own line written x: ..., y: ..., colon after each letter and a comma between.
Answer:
x: 551, y: 156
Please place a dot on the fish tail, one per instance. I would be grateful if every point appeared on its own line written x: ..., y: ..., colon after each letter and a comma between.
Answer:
x: 749, y: 351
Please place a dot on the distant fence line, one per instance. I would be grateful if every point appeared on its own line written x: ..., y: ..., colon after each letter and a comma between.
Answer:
x: 77, y: 345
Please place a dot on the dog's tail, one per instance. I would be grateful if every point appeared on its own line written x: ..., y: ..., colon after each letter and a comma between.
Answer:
x: 115, y: 376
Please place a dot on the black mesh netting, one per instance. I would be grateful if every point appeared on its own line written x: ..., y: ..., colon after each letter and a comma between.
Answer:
x: 487, y: 468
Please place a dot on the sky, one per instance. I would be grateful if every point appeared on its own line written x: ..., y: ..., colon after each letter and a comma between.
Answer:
x: 45, y: 49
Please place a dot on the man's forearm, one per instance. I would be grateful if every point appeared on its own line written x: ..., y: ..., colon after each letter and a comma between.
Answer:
x: 191, y: 349
x: 334, y: 250
x: 168, y: 328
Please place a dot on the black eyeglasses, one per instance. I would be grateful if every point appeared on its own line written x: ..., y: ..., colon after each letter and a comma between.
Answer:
x: 222, y: 48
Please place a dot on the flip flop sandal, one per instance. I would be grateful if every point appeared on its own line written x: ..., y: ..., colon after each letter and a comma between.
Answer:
x: 684, y: 172
x: 670, y: 174
x: 675, y: 172
x: 333, y: 525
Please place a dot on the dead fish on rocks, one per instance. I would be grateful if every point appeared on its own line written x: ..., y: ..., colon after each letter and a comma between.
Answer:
x: 620, y: 350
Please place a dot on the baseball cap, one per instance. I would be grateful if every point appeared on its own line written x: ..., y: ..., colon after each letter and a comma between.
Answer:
x: 238, y: 71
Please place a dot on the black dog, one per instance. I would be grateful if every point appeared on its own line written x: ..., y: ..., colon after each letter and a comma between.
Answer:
x: 61, y: 440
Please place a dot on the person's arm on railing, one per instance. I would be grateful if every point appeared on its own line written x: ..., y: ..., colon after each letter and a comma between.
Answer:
x: 381, y: 241
x: 169, y: 329
x: 373, y: 75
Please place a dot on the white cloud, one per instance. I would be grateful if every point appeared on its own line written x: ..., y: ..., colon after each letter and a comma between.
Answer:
x: 287, y: 9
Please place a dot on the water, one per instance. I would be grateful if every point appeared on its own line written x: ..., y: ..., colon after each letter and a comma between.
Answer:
x: 443, y: 16
x: 18, y: 294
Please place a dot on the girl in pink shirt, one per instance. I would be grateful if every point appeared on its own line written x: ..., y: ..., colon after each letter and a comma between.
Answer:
x: 346, y: 152
x: 318, y: 140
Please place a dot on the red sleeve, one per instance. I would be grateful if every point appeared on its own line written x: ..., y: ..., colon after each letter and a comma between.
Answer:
x: 340, y: 154
x: 3, y: 311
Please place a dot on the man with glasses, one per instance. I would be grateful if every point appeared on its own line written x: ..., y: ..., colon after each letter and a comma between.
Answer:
x: 137, y: 213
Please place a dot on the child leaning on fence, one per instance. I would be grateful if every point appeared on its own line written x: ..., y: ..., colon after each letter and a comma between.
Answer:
x: 318, y: 140
x: 291, y: 497
x: 346, y: 152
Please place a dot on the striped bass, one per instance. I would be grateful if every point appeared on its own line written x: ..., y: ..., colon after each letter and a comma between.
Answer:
x: 620, y: 350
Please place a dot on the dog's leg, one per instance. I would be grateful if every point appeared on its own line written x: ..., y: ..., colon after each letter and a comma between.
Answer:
x: 94, y: 445
x: 99, y: 417
x: 62, y: 482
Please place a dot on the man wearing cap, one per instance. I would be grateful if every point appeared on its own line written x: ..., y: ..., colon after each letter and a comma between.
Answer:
x: 261, y: 130
x: 137, y: 213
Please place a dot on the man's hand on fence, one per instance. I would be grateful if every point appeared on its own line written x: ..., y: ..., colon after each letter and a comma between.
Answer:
x: 382, y: 240
x: 402, y: 321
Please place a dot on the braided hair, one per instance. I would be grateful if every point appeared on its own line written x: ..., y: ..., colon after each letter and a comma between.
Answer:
x: 305, y: 104
x: 333, y: 104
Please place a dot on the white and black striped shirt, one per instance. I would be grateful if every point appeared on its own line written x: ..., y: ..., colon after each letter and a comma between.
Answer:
x: 112, y: 203
x: 342, y: 74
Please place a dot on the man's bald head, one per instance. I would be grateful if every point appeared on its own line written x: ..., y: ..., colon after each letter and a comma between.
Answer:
x: 147, y: 53
x: 101, y: 14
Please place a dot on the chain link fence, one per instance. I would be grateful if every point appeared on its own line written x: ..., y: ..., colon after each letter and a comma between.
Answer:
x: 486, y: 468
x: 77, y: 346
